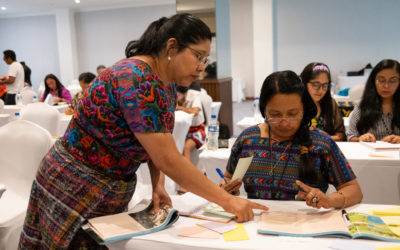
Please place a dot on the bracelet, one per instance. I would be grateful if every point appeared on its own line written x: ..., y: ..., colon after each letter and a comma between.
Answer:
x: 344, y: 197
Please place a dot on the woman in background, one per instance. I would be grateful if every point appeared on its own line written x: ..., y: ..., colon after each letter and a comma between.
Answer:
x: 317, y: 79
x: 85, y: 79
x: 54, y: 87
x: 377, y: 116
x: 289, y: 158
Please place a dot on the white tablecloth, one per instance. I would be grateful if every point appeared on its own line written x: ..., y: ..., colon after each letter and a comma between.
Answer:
x: 249, y: 121
x: 169, y: 239
x: 379, y: 178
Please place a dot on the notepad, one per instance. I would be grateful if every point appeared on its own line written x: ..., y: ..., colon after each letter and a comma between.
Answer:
x: 241, y: 168
x: 393, y: 211
x: 198, y: 232
x: 237, y: 234
x: 218, y: 227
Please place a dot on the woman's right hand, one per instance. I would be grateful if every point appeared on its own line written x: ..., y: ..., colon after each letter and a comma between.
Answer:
x: 242, y: 208
x: 232, y: 187
x: 368, y: 137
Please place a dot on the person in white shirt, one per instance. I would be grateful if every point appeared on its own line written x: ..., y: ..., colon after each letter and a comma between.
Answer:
x: 16, y: 76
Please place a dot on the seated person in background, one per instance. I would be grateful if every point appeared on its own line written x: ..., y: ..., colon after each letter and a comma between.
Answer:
x: 377, y: 116
x: 317, y: 79
x: 54, y: 87
x: 291, y: 160
x: 100, y: 69
x: 189, y: 101
x: 85, y: 79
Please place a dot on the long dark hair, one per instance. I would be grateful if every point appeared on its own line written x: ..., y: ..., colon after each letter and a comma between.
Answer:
x: 185, y: 28
x: 310, y: 72
x: 371, y: 102
x: 47, y: 89
x: 287, y: 82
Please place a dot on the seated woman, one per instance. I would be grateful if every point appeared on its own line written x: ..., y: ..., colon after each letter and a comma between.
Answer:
x: 377, y: 116
x: 290, y: 159
x: 85, y: 79
x: 54, y: 87
x: 317, y: 79
x: 189, y: 101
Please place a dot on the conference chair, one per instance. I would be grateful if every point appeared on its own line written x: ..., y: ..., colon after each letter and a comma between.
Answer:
x: 42, y: 114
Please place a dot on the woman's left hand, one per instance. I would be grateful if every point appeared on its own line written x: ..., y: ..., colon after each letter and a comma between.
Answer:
x: 314, y: 197
x: 160, y: 196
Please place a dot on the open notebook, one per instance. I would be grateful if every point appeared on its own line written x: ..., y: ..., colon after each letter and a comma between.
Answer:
x: 329, y: 223
x: 110, y: 228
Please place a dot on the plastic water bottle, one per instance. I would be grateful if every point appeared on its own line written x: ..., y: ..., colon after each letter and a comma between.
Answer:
x: 18, y: 99
x: 34, y: 100
x: 213, y: 133
x: 256, y: 109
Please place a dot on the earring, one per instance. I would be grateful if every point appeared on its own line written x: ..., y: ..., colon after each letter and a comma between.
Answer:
x: 169, y: 58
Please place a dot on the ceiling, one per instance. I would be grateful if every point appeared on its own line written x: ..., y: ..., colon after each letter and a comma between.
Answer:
x: 39, y: 7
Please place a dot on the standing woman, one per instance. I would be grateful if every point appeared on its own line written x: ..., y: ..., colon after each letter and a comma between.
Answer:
x: 54, y: 87
x: 289, y: 158
x: 377, y: 117
x: 317, y: 79
x: 126, y: 117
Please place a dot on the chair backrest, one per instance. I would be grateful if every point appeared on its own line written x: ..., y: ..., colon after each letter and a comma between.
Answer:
x: 183, y: 121
x: 74, y: 88
x: 356, y: 92
x: 27, y: 95
x: 206, y: 101
x: 23, y: 145
x: 42, y: 114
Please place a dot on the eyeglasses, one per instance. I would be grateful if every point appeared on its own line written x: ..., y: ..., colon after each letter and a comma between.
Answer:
x: 317, y: 85
x: 290, y: 119
x: 391, y: 82
x: 201, y: 57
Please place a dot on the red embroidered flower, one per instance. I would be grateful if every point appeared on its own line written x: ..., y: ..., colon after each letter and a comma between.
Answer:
x: 87, y: 142
x: 93, y: 157
x: 124, y: 163
x: 107, y: 161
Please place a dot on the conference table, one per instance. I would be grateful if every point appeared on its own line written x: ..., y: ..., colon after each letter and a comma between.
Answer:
x: 169, y: 239
x: 377, y: 172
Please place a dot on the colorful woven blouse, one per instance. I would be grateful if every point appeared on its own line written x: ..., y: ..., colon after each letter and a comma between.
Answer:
x: 330, y: 164
x: 125, y: 99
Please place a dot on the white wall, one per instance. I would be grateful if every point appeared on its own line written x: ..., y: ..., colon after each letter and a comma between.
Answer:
x: 34, y: 40
x: 242, y: 54
x: 345, y: 34
x: 103, y: 35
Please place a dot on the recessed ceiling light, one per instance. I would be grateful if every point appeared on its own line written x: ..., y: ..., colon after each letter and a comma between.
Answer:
x: 3, y: 8
x: 77, y: 1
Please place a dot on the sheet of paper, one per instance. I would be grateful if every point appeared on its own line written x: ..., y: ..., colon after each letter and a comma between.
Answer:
x: 393, y: 211
x: 384, y: 154
x: 388, y: 248
x: 240, y: 233
x: 217, y: 210
x: 189, y: 203
x: 393, y: 222
x: 340, y: 244
x: 241, y: 168
x: 381, y: 145
x: 198, y: 232
x: 218, y: 227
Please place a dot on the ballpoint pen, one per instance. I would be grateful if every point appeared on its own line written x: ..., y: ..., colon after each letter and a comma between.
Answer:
x: 221, y: 174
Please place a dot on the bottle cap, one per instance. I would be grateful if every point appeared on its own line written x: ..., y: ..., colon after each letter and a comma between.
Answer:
x: 17, y: 113
x: 213, y: 116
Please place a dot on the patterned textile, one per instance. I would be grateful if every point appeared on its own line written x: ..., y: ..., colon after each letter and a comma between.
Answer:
x: 345, y: 107
x: 197, y: 134
x: 64, y: 194
x: 91, y: 170
x: 330, y: 165
x: 319, y: 122
x: 126, y: 98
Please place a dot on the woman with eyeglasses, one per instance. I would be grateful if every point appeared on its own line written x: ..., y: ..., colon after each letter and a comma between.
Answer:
x: 125, y: 118
x: 377, y: 116
x: 317, y: 79
x: 290, y: 160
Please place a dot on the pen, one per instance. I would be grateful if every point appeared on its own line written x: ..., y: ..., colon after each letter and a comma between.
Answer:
x: 346, y: 217
x: 221, y: 174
